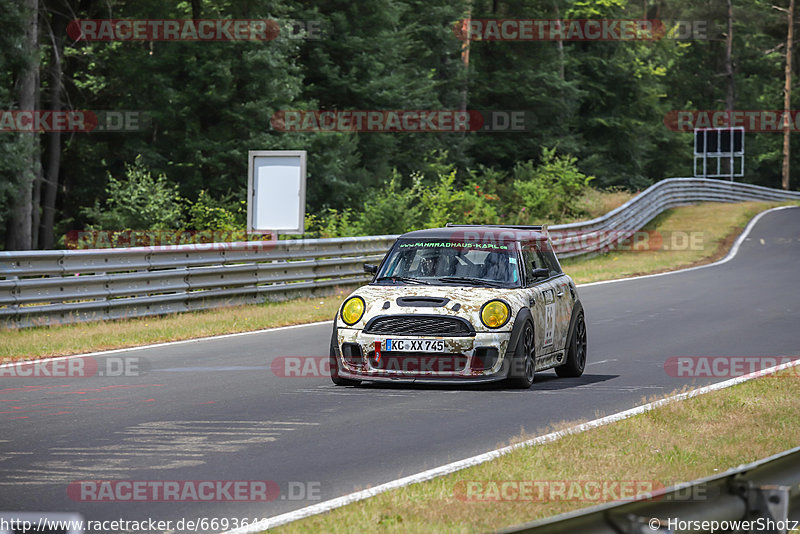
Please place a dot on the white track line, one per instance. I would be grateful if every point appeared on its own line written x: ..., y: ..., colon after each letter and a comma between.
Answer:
x: 165, y: 344
x: 338, y: 502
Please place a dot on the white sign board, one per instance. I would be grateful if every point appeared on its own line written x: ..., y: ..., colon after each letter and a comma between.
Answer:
x: 276, y: 191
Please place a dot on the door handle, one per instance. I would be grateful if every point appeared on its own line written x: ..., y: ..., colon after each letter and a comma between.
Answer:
x: 560, y: 293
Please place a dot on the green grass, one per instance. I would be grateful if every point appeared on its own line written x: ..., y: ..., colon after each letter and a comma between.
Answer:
x: 596, y: 203
x: 677, y: 442
x: 43, y: 342
x: 719, y: 224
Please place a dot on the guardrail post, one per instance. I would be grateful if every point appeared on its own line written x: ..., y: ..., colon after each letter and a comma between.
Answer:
x: 769, y: 501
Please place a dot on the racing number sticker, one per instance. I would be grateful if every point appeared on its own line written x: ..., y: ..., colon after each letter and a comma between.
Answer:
x: 549, y: 317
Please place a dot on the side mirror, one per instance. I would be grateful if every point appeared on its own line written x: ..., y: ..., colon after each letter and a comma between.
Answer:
x: 540, y: 273
x: 369, y: 268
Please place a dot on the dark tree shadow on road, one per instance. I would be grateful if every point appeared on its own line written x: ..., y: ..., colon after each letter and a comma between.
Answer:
x: 544, y: 381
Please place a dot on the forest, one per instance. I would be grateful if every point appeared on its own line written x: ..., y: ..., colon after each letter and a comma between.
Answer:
x: 173, y: 118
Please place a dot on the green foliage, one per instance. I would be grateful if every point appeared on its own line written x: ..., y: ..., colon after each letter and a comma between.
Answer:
x: 549, y: 191
x: 137, y: 202
x: 332, y: 223
x: 391, y: 208
x: 544, y: 192
x: 443, y: 203
x: 206, y: 213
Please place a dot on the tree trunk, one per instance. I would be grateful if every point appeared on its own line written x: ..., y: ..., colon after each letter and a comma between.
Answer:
x: 46, y: 239
x: 560, y: 47
x: 197, y: 10
x: 787, y: 97
x: 36, y: 196
x: 465, y: 59
x: 19, y: 235
x: 730, y: 95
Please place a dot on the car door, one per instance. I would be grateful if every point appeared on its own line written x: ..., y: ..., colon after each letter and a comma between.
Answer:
x: 542, y: 297
x: 564, y: 295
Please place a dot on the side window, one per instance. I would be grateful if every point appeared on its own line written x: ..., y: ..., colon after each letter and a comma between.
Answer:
x: 548, y: 258
x: 531, y: 260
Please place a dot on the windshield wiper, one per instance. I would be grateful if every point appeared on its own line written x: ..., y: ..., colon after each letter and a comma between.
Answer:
x: 476, y: 281
x: 403, y: 279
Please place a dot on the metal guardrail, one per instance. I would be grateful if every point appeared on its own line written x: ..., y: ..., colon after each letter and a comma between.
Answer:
x: 765, y: 493
x: 67, y: 286
x: 599, y: 234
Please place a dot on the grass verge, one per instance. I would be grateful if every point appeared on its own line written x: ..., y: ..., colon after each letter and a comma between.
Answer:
x: 677, y: 442
x: 718, y: 224
x: 44, y: 342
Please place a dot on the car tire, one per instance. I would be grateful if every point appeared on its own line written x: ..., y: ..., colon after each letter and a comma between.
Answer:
x: 334, y: 364
x: 576, y: 353
x: 522, y: 376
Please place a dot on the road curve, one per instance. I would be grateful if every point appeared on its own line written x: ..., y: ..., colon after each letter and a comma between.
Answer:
x: 216, y: 409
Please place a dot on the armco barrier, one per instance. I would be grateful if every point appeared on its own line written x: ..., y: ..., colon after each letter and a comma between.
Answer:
x: 66, y: 286
x: 758, y: 497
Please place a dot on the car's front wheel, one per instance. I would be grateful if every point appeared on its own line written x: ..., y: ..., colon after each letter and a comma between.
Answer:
x: 522, y: 369
x: 576, y: 353
x: 334, y: 365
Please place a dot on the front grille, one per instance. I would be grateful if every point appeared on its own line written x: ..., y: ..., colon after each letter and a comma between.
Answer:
x: 419, y: 325
x: 415, y: 362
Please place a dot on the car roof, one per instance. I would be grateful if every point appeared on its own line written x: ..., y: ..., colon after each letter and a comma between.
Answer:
x: 493, y: 233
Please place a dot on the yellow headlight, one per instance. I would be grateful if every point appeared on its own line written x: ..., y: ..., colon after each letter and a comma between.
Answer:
x: 495, y: 313
x: 352, y: 310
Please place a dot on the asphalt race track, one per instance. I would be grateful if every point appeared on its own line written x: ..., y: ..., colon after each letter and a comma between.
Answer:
x: 217, y: 410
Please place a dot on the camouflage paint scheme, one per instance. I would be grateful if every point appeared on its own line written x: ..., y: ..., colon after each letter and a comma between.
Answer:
x: 471, y: 299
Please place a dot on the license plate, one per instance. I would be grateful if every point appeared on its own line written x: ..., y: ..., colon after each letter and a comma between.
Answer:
x: 414, y: 345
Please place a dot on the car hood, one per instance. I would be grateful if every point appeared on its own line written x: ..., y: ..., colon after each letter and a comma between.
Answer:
x: 420, y: 299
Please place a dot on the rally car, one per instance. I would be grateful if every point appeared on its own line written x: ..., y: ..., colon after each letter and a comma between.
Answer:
x: 462, y: 304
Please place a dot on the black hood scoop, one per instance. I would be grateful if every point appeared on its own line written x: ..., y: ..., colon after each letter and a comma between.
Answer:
x: 422, y: 302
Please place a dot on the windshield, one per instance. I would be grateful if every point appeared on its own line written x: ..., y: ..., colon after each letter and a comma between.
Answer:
x: 445, y: 263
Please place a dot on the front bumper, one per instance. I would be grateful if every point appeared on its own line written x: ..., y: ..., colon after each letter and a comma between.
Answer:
x: 474, y: 359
